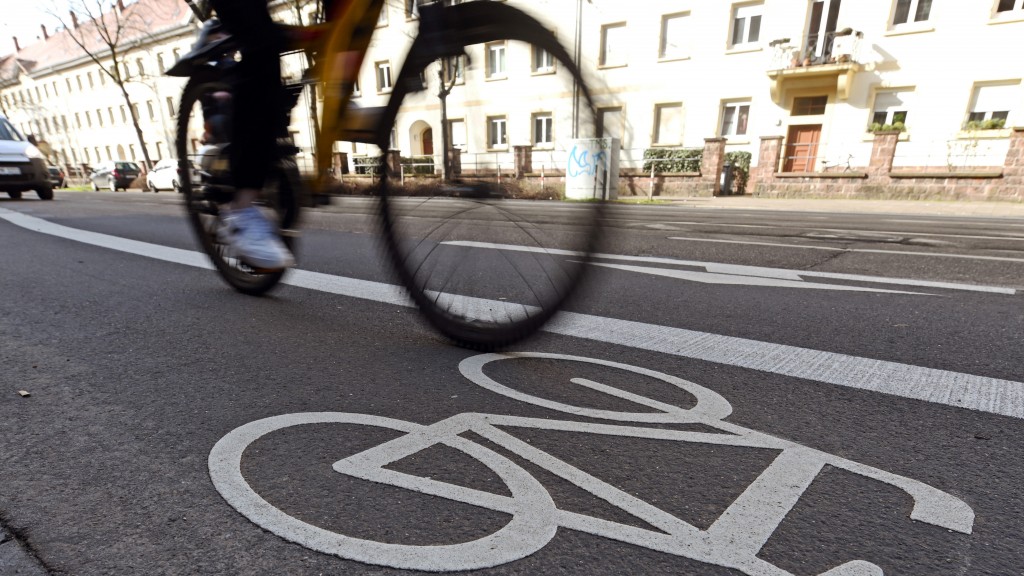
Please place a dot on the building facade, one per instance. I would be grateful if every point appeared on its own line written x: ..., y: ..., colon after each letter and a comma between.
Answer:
x: 824, y: 75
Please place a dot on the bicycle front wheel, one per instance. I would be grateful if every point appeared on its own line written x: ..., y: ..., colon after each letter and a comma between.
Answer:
x: 486, y: 242
x: 204, y: 180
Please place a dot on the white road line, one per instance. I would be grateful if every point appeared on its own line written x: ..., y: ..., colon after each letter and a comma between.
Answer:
x: 900, y: 252
x: 846, y: 230
x: 779, y: 273
x: 1005, y: 397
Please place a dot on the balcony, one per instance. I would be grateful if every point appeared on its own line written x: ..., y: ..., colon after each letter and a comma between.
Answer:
x: 829, y: 62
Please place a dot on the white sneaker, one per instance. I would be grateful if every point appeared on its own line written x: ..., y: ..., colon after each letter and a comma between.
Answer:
x: 254, y: 240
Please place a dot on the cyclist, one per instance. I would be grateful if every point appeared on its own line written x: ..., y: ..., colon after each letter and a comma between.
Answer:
x: 257, y: 98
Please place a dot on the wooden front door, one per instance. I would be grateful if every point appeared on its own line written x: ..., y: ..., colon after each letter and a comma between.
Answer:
x: 428, y: 142
x: 802, y: 148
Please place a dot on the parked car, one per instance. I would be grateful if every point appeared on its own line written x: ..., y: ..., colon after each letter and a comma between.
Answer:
x: 22, y: 165
x: 56, y: 176
x: 114, y: 175
x: 164, y: 176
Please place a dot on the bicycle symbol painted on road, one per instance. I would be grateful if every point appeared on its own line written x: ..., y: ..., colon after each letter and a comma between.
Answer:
x: 732, y: 541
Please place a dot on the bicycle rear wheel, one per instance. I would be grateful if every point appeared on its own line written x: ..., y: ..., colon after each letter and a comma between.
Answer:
x: 204, y: 193
x: 485, y: 255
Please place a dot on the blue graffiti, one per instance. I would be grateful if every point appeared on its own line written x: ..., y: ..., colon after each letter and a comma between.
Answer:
x: 585, y: 163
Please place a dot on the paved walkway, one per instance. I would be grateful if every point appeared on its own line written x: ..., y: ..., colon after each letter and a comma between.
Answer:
x: 914, y: 207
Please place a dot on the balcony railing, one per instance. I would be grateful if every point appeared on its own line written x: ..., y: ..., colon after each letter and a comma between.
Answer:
x: 839, y: 47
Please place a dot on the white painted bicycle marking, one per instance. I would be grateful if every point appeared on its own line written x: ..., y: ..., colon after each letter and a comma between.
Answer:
x: 732, y: 541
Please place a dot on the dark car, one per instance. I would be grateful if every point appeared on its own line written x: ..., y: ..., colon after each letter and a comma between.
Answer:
x: 114, y: 175
x: 56, y: 176
x: 22, y: 165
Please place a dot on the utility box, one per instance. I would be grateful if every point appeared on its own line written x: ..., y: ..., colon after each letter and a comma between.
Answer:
x: 592, y: 169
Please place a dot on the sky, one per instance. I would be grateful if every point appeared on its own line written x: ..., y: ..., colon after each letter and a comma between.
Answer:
x: 22, y: 18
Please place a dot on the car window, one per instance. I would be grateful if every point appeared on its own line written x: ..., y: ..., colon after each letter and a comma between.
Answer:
x: 7, y: 132
x: 128, y: 166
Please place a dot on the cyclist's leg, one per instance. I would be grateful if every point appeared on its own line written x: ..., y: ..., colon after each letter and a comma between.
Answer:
x: 257, y: 101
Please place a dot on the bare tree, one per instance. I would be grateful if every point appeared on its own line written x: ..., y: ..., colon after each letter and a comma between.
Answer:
x: 107, y: 36
x: 447, y: 74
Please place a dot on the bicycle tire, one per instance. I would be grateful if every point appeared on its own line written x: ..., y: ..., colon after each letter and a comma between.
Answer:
x: 280, y: 196
x: 547, y: 261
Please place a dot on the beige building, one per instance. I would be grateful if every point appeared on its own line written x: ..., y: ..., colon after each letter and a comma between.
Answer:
x: 821, y: 74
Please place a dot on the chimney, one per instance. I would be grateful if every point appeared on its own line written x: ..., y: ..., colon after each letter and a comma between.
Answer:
x: 17, y: 47
x: 74, y: 20
x: 45, y: 35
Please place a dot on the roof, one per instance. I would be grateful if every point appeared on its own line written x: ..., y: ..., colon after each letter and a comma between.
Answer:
x: 139, y: 20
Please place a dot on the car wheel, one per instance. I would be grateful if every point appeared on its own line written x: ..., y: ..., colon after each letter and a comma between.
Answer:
x: 14, y: 195
x: 153, y: 188
x: 45, y: 193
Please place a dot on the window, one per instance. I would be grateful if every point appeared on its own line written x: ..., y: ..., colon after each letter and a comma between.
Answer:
x: 458, y: 133
x: 991, y: 105
x: 911, y: 11
x: 383, y: 76
x: 543, y: 61
x: 86, y: 150
x: 124, y: 114
x: 160, y: 65
x: 135, y: 112
x: 496, y: 60
x: 746, y: 24
x: 150, y: 109
x: 809, y: 105
x: 109, y: 155
x: 1010, y: 5
x: 89, y: 76
x: 382, y: 18
x: 668, y: 124
x: 176, y: 53
x: 542, y: 127
x: 672, y: 36
x: 734, y: 118
x: 88, y: 119
x: 497, y: 138
x: 170, y: 107
x: 68, y: 82
x: 99, y: 116
x: 455, y: 70
x: 891, y: 106
x: 110, y: 114
x: 613, y: 45
x: 78, y: 120
x: 611, y: 123
x: 131, y: 151
x: 159, y: 150
x: 412, y: 9
x: 46, y: 91
x: 103, y: 78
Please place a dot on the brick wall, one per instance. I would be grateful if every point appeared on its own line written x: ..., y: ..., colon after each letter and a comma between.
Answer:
x: 879, y: 180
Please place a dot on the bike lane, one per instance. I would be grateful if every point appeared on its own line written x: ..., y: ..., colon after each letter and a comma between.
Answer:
x: 690, y: 484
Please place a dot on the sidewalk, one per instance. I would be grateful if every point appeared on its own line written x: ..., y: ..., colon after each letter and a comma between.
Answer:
x: 908, y: 207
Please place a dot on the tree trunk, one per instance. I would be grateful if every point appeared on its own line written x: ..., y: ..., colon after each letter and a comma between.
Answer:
x: 138, y: 129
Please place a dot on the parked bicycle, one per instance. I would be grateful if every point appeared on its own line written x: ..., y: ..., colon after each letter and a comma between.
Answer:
x: 485, y: 270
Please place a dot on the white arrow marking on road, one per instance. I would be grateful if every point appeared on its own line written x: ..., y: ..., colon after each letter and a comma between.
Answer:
x: 709, y: 278
x: 739, y: 270
x: 980, y: 393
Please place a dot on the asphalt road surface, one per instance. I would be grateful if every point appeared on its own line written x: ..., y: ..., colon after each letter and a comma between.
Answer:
x: 735, y: 392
